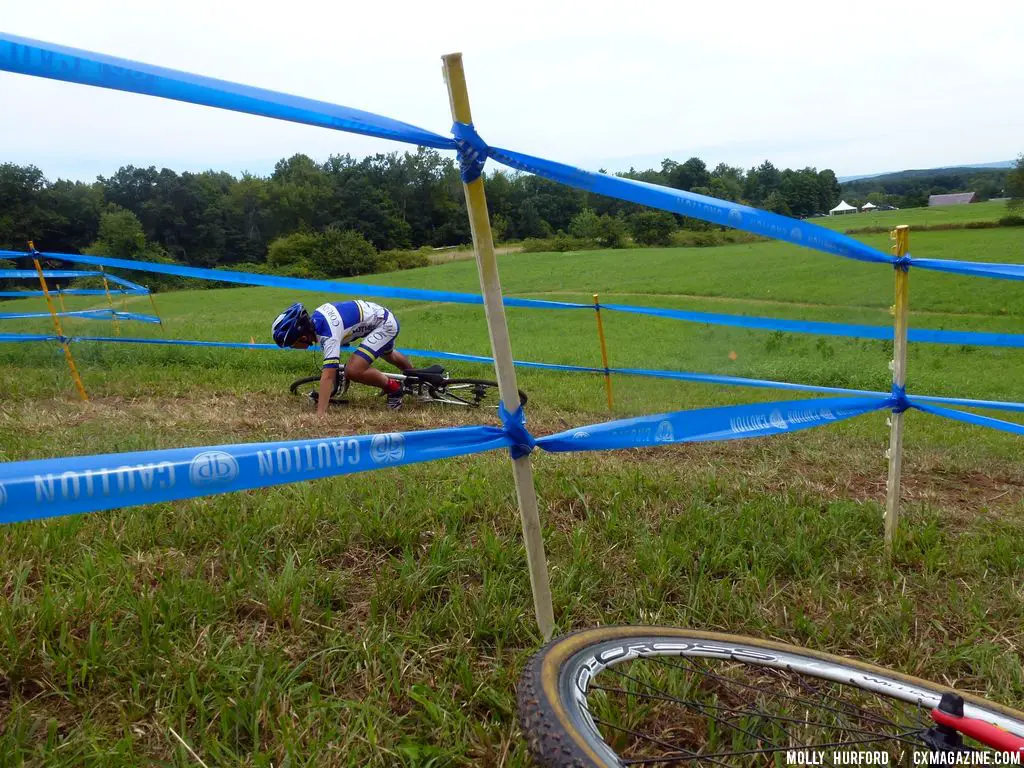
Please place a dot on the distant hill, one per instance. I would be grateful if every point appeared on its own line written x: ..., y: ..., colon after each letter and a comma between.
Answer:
x: 909, y: 189
x: 928, y: 171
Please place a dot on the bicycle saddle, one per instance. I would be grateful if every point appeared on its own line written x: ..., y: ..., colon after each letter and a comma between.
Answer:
x: 433, y: 374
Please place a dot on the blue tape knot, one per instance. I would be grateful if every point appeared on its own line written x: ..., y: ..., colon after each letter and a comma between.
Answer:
x: 472, y: 151
x: 902, y: 263
x: 899, y: 398
x: 515, y: 428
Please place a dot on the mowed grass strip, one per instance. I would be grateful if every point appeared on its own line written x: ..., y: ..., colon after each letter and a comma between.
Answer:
x: 943, y: 215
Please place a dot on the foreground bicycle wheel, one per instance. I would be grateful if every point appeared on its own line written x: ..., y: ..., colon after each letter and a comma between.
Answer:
x: 664, y: 696
x: 309, y: 386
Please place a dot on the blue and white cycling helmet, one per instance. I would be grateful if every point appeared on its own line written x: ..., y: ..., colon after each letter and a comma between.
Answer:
x: 290, y: 325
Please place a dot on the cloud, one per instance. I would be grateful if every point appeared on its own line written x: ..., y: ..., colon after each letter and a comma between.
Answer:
x: 800, y: 83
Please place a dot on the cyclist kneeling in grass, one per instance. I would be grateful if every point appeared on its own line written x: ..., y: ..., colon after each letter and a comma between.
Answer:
x: 335, y: 325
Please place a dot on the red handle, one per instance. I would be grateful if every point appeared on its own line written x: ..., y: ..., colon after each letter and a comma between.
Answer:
x: 990, y: 735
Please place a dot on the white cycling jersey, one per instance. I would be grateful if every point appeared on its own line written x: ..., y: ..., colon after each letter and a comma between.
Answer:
x: 338, y: 323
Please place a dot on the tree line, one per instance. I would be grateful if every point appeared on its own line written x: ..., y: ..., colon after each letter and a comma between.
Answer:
x: 348, y: 216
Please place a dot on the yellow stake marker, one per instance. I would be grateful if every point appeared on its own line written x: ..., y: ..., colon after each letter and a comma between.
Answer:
x: 60, y: 332
x: 494, y: 310
x: 899, y: 378
x: 110, y: 303
x: 152, y: 301
x: 604, y: 351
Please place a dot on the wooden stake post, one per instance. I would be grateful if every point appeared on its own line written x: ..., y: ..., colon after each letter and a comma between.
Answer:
x: 57, y: 327
x: 899, y: 379
x: 152, y: 301
x: 110, y: 303
x: 604, y: 352
x: 494, y: 309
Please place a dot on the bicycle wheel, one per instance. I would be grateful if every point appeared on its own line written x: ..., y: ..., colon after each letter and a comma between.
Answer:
x: 309, y: 386
x: 475, y: 393
x: 664, y: 696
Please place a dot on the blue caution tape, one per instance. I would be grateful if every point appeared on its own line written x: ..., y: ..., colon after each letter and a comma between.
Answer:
x: 33, y: 57
x: 84, y: 314
x: 71, y: 485
x: 153, y: 319
x: 729, y: 214
x: 968, y: 418
x: 55, y: 274
x: 57, y: 62
x: 880, y: 332
x: 976, y: 338
x: 73, y: 292
x: 28, y: 56
x: 15, y: 338
x: 51, y: 487
x: 19, y: 274
x: 124, y: 283
x: 965, y: 402
x: 721, y: 212
x: 697, y: 378
x: 184, y: 343
x: 973, y: 268
x: 19, y: 337
x: 899, y: 399
x: 121, y: 285
x: 472, y: 151
x: 515, y: 427
x: 734, y: 422
x: 302, y: 284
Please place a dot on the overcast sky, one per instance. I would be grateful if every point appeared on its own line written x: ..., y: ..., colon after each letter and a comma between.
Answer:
x: 858, y: 87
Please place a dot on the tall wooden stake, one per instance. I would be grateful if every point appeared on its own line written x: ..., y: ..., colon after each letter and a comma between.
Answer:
x: 899, y: 379
x: 152, y: 301
x: 604, y: 352
x: 490, y: 286
x: 110, y: 303
x: 57, y: 327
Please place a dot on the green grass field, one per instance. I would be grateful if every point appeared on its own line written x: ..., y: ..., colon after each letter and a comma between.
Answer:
x: 382, y: 619
x: 945, y: 214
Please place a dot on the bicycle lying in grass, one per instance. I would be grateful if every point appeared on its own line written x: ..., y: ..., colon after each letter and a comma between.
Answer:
x: 429, y: 385
x: 663, y: 696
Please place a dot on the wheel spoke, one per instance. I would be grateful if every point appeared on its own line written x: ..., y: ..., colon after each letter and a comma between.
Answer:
x: 703, y: 706
x: 700, y: 708
x: 775, y: 694
x: 709, y: 710
x: 653, y: 740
